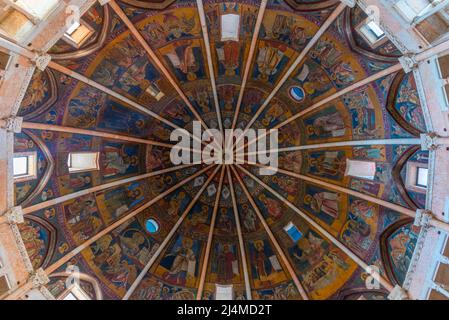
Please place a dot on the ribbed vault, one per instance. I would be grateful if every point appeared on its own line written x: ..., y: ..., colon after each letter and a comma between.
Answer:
x: 154, y: 66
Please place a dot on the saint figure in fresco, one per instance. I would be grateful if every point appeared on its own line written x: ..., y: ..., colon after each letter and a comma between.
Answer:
x: 181, y: 259
x: 224, y: 263
x: 323, y: 202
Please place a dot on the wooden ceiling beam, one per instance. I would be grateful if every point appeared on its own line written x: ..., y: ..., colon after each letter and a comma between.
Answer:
x: 384, y: 282
x: 240, y: 235
x: 169, y: 236
x: 199, y: 292
x: 52, y: 268
x: 273, y: 239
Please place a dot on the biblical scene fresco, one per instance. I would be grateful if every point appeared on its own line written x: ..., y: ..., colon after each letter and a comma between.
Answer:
x: 386, y: 108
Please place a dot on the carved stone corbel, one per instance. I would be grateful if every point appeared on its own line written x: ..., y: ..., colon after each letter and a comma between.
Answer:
x: 429, y: 141
x: 422, y: 218
x: 15, y: 215
x: 13, y: 124
x: 408, y: 62
x: 398, y: 293
x: 42, y: 60
x: 39, y: 278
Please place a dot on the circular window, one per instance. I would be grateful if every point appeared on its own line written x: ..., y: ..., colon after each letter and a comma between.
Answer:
x: 151, y: 225
x: 297, y: 93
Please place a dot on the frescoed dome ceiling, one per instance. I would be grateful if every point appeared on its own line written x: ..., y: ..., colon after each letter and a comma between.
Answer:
x: 116, y: 264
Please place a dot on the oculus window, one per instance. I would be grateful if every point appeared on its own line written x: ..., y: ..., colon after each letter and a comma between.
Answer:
x: 151, y: 226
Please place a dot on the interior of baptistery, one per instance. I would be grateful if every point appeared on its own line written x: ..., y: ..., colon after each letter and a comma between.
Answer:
x: 354, y: 205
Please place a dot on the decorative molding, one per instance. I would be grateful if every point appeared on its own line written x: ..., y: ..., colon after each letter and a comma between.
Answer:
x: 429, y: 141
x: 41, y: 61
x: 317, y: 6
x: 422, y: 218
x: 15, y: 215
x: 46, y: 293
x: 415, y: 257
x: 21, y: 247
x: 23, y: 89
x: 13, y: 124
x: 398, y: 293
x: 39, y: 278
x: 408, y: 62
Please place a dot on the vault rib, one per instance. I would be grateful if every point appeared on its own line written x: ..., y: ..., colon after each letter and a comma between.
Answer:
x: 4, y: 43
x: 409, y: 212
x: 94, y: 133
x: 49, y: 270
x: 279, y: 250
x: 384, y: 282
x: 210, y: 63
x: 333, y: 16
x: 239, y: 234
x: 199, y: 292
x: 420, y: 57
x: 249, y: 59
x: 74, y: 195
x: 154, y: 58
x: 169, y: 236
x: 404, y: 141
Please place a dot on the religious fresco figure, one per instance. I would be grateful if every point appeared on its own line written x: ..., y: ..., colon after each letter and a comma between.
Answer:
x: 225, y: 257
x: 186, y: 61
x: 270, y: 61
x: 228, y: 53
x: 180, y: 262
x: 324, y: 202
x: 329, y: 124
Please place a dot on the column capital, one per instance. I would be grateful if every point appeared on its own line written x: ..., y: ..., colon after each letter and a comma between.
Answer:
x: 398, y: 293
x: 408, y: 62
x: 429, y: 141
x: 15, y: 215
x: 103, y: 2
x: 42, y: 60
x: 12, y: 124
x: 39, y: 278
x: 349, y: 3
x: 422, y: 218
